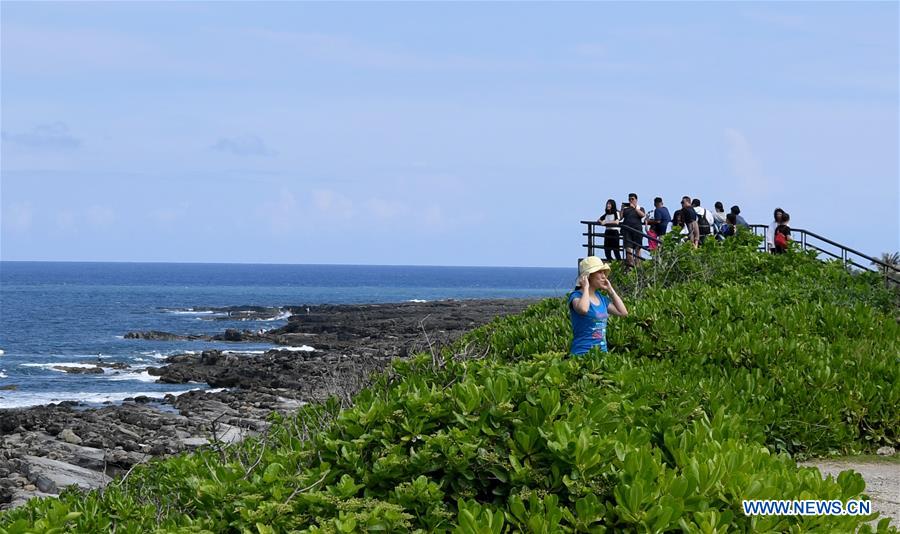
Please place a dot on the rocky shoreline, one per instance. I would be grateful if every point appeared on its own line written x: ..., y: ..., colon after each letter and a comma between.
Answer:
x: 46, y: 448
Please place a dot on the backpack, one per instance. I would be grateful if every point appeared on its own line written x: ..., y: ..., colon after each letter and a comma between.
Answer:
x: 781, y: 241
x: 703, y: 222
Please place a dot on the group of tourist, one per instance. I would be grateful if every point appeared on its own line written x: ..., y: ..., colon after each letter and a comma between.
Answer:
x: 627, y: 223
x: 594, y: 298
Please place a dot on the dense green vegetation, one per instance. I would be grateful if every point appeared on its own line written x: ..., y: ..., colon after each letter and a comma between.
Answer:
x: 732, y: 365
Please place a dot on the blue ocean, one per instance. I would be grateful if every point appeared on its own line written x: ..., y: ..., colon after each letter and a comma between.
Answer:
x: 69, y: 314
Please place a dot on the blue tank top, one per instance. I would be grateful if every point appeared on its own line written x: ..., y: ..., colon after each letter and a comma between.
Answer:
x: 588, y: 330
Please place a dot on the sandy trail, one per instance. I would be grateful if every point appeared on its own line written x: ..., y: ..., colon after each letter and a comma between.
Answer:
x: 882, y: 476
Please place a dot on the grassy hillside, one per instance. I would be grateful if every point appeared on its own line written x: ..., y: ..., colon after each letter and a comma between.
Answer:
x: 732, y: 365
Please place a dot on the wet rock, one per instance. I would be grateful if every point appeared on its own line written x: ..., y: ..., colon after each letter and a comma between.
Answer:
x: 79, y: 370
x: 232, y: 335
x: 350, y: 343
x: 112, y: 365
x: 159, y: 336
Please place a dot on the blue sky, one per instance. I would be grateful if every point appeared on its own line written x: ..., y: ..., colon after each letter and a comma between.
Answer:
x: 434, y: 133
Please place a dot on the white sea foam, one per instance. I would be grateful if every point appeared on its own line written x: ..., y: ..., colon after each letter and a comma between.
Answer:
x: 416, y: 300
x: 243, y: 352
x: 1, y: 352
x: 51, y: 366
x: 3, y: 373
x: 279, y: 317
x: 302, y: 348
x: 192, y: 311
x: 143, y: 376
x: 163, y: 355
x: 17, y: 399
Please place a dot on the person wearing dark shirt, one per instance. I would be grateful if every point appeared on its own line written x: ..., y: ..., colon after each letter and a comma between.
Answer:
x: 782, y: 234
x: 661, y: 218
x: 678, y: 221
x: 737, y: 215
x: 729, y: 228
x: 689, y: 216
x: 632, y: 222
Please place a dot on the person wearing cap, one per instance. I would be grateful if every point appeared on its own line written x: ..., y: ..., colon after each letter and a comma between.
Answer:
x: 589, y: 309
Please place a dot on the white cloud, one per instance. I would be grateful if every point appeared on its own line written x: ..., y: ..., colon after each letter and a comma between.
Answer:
x: 333, y: 203
x: 433, y: 216
x: 282, y: 214
x: 776, y: 19
x: 66, y: 221
x: 168, y: 216
x: 343, y: 50
x: 386, y: 209
x: 52, y: 136
x: 18, y: 217
x: 100, y: 215
x: 746, y: 166
x: 591, y: 50
x: 243, y: 145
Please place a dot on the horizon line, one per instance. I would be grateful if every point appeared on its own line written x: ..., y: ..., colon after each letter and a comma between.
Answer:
x: 281, y: 264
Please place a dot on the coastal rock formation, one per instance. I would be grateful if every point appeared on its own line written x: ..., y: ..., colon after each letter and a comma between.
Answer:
x: 79, y: 370
x: 164, y: 336
x: 324, y: 351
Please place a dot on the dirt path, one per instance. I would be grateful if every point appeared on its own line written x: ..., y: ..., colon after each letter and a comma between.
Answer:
x: 882, y: 476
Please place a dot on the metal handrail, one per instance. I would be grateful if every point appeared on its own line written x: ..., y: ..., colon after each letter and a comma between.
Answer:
x: 591, y: 234
x: 890, y: 272
x: 844, y: 249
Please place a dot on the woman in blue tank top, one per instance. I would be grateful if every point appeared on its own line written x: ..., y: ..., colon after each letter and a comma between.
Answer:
x: 589, y: 309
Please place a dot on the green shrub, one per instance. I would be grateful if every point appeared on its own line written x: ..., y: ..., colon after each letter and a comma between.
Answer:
x: 731, y: 365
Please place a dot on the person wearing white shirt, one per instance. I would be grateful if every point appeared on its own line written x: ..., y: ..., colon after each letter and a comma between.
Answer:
x: 770, y: 231
x: 610, y: 221
x: 719, y: 216
x: 703, y: 216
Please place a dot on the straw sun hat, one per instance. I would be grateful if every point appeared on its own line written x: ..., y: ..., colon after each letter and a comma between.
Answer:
x: 591, y: 264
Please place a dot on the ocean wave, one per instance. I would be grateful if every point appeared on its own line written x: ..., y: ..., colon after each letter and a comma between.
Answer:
x: 416, y: 300
x: 302, y: 348
x: 192, y: 311
x: 24, y: 400
x: 143, y: 376
x: 281, y: 316
x: 163, y: 355
x: 3, y: 373
x: 243, y: 352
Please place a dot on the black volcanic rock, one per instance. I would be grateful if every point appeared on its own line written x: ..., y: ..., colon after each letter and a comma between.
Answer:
x: 79, y: 370
x: 156, y: 335
x: 350, y: 342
